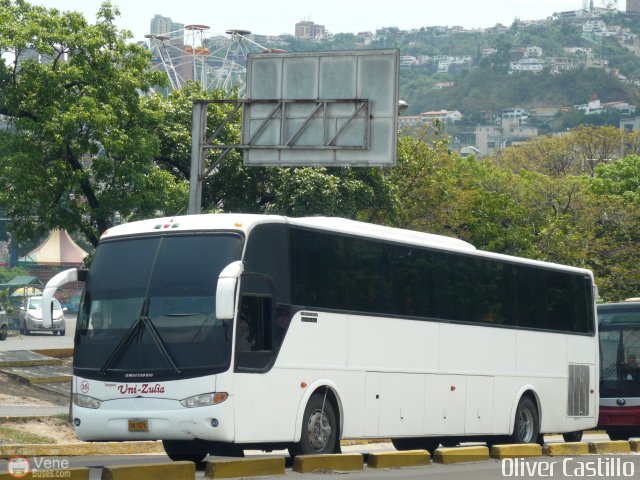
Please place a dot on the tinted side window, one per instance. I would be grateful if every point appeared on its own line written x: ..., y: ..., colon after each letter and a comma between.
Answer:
x: 319, y: 271
x: 371, y: 283
x: 266, y: 254
x: 414, y: 277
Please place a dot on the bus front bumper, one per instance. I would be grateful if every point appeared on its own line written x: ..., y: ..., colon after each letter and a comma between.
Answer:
x: 154, y: 419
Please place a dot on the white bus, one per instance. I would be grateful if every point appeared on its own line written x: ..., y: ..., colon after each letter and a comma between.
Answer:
x: 218, y: 333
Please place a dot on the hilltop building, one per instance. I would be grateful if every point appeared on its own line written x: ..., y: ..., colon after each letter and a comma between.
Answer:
x: 165, y: 26
x: 310, y: 30
x: 633, y: 6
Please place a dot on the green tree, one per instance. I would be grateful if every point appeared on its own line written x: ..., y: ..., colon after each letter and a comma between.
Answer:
x: 79, y: 150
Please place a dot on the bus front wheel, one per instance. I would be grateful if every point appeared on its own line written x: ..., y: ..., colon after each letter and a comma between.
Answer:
x: 527, y: 425
x: 185, y: 450
x: 319, y: 428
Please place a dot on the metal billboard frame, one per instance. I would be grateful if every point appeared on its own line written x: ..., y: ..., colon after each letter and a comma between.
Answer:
x: 331, y: 109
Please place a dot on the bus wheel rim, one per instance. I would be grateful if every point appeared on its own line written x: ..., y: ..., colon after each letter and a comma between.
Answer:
x: 318, y: 429
x: 525, y: 426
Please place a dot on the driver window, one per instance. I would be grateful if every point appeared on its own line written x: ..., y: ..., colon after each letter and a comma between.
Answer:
x: 254, y: 326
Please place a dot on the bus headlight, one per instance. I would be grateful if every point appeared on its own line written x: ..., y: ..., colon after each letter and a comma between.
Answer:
x: 204, y: 400
x: 85, y: 401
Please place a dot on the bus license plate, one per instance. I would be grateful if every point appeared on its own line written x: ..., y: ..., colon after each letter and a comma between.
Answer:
x: 138, y: 425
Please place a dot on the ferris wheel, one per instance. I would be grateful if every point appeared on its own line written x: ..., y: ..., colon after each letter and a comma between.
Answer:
x: 215, y: 61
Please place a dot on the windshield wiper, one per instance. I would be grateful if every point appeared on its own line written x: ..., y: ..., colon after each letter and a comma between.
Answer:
x: 135, y: 329
x: 157, y: 339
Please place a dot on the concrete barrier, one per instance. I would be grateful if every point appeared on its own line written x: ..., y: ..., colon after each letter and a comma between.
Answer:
x: 461, y: 454
x: 408, y: 458
x: 245, y: 467
x: 55, y: 352
x: 335, y: 462
x: 520, y: 450
x: 75, y: 473
x: 619, y: 446
x: 565, y: 449
x: 77, y: 449
x: 150, y: 471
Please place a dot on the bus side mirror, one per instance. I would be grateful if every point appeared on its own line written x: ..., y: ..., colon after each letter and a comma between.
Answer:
x: 226, y: 290
x: 62, y: 278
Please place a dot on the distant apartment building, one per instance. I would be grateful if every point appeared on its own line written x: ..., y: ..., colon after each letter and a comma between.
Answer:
x: 364, y: 38
x: 533, y: 52
x: 593, y: 26
x: 31, y: 54
x: 310, y: 30
x: 562, y: 64
x: 490, y: 139
x: 517, y: 115
x: 630, y: 124
x: 407, y: 61
x: 633, y: 7
x: 581, y: 51
x: 594, y: 107
x: 534, y: 65
x: 444, y: 116
x: 409, y: 123
x: 164, y: 26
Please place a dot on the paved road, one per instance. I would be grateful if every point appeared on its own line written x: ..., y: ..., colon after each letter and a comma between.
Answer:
x: 540, y: 467
x: 39, y: 340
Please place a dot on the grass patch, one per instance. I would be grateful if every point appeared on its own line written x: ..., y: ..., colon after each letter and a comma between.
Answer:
x: 13, y: 435
x: 56, y: 420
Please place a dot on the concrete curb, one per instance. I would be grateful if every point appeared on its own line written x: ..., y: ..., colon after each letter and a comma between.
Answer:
x: 409, y: 458
x: 150, y: 471
x: 55, y: 352
x: 565, y: 449
x: 619, y: 446
x: 245, y: 467
x: 516, y: 451
x: 343, y: 462
x: 73, y: 473
x: 448, y: 456
x: 77, y: 449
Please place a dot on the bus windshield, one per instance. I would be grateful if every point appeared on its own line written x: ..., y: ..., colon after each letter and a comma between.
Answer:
x: 619, y: 352
x: 149, y: 308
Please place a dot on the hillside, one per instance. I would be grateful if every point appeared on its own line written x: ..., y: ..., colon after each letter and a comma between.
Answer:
x: 582, y: 58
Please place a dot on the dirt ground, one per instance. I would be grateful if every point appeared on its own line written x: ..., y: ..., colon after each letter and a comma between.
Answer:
x: 57, y: 429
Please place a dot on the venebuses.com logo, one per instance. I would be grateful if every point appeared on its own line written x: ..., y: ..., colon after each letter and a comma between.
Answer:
x: 18, y: 467
x: 38, y: 467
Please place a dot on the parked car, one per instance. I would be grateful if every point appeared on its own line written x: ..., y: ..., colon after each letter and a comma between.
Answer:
x: 31, y: 316
x: 4, y: 324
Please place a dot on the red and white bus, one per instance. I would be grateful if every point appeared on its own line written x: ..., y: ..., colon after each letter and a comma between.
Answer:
x: 217, y: 333
x: 620, y: 371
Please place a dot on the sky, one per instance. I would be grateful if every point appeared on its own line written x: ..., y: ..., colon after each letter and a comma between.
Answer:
x: 275, y: 17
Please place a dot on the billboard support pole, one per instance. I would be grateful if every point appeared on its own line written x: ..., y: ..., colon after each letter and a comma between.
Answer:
x: 198, y: 123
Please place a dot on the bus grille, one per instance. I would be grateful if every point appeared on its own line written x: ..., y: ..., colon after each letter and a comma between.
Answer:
x: 578, y: 404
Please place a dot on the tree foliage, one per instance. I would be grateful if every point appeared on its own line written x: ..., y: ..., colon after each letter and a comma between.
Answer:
x: 80, y: 103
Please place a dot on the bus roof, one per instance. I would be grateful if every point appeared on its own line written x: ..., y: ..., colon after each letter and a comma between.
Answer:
x: 244, y: 222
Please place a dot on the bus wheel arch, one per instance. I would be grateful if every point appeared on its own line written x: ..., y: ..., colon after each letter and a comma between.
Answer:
x: 317, y: 396
x: 526, y: 420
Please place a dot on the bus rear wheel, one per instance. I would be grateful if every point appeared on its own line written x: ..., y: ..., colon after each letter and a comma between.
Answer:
x: 618, y: 434
x: 526, y: 427
x: 319, y: 428
x: 185, y: 450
